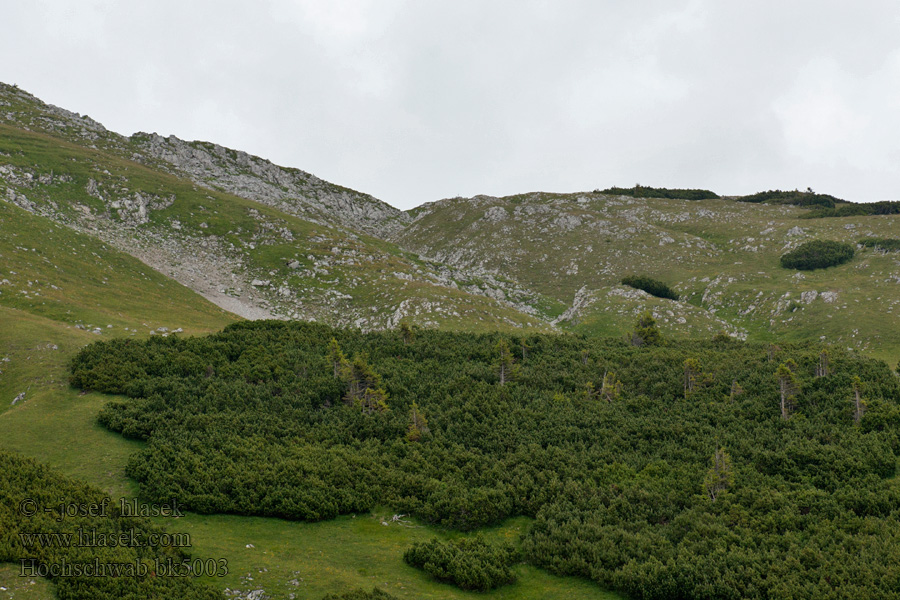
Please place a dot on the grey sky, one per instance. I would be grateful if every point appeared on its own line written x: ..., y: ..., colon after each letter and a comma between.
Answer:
x: 413, y: 101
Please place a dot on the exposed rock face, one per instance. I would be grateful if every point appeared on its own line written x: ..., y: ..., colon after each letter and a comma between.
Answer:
x: 495, y: 214
x: 290, y: 190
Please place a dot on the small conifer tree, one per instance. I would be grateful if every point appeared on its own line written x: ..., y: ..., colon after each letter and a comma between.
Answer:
x: 719, y: 477
x: 506, y: 367
x: 645, y: 331
x: 418, y: 424
x: 691, y: 374
x: 859, y: 405
x: 788, y: 386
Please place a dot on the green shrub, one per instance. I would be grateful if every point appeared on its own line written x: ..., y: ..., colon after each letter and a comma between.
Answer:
x: 654, y: 287
x: 795, y: 198
x: 469, y: 563
x: 640, y: 191
x: 887, y: 244
x: 855, y: 210
x: 817, y: 254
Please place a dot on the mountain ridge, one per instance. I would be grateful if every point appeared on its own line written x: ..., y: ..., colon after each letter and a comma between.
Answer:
x: 291, y: 190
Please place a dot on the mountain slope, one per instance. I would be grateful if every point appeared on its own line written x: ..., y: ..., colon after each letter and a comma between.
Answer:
x: 249, y: 258
x: 721, y: 256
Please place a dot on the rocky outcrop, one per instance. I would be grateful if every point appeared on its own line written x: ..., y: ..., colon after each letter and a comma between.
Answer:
x: 292, y: 191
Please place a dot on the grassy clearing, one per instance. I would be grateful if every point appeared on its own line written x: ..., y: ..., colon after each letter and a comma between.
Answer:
x: 312, y: 559
x: 54, y: 424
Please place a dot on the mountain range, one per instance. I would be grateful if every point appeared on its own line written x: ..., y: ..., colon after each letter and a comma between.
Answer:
x: 264, y: 241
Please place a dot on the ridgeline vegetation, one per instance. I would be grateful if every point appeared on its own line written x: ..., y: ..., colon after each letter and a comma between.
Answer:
x: 795, y: 198
x: 823, y: 205
x: 852, y: 209
x: 643, y: 191
x: 632, y: 488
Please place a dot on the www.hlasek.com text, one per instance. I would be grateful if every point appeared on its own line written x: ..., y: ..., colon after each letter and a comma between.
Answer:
x: 94, y: 538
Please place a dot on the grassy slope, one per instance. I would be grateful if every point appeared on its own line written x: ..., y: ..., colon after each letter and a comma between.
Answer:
x: 722, y: 256
x: 73, y: 278
x: 256, y: 240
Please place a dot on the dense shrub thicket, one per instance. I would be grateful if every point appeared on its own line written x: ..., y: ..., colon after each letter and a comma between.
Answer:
x: 23, y: 479
x: 855, y: 210
x: 654, y: 287
x: 688, y: 469
x: 796, y: 198
x: 886, y: 244
x: 817, y: 254
x: 468, y: 563
x: 641, y: 191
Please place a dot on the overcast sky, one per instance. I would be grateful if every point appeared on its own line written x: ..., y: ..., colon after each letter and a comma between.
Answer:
x: 413, y: 101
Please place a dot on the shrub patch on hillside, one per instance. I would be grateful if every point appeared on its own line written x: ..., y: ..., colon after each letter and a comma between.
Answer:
x: 886, y: 244
x: 855, y: 210
x: 795, y: 198
x: 817, y: 254
x: 654, y: 287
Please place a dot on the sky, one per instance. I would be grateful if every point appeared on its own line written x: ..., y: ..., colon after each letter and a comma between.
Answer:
x: 415, y: 101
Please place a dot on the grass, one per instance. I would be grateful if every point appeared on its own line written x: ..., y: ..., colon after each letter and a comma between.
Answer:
x: 74, y: 278
x: 14, y: 587
x: 312, y: 559
x: 54, y: 424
